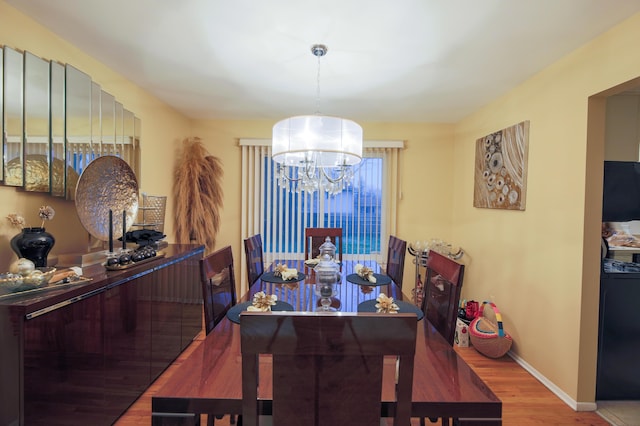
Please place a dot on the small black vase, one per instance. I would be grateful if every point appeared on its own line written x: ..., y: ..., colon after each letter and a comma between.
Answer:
x: 33, y: 244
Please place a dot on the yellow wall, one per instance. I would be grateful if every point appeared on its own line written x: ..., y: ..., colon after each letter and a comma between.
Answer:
x: 541, y: 266
x: 162, y: 130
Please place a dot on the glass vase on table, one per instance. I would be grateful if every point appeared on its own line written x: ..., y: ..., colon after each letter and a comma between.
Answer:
x: 327, y: 277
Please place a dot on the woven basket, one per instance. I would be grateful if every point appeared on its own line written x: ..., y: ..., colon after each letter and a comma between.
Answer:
x: 487, y: 336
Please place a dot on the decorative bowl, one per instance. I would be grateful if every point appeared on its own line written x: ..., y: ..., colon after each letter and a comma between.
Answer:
x: 13, y: 283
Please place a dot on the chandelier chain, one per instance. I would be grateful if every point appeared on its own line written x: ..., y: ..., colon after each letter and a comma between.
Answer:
x: 318, y: 88
x: 318, y: 50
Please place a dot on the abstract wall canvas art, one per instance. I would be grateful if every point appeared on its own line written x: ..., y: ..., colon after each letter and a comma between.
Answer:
x: 501, y: 169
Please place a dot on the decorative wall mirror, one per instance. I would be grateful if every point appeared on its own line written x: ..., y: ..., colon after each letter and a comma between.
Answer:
x: 13, y: 67
x: 54, y: 120
x: 37, y: 150
x: 1, y: 116
x: 78, y: 126
x: 96, y: 125
x: 118, y: 120
x: 137, y: 128
x: 107, y: 121
x: 128, y: 154
x: 57, y: 177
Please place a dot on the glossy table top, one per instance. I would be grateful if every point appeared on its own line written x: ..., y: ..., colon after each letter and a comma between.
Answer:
x: 209, y: 380
x: 304, y: 296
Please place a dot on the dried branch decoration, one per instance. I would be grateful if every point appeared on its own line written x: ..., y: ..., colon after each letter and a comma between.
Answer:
x: 44, y: 213
x: 198, y: 195
x: 16, y: 220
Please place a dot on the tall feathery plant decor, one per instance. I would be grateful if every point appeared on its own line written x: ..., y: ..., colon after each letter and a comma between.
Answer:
x: 198, y: 195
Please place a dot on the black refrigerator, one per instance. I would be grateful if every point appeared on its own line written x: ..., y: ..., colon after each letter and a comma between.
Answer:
x: 618, y: 374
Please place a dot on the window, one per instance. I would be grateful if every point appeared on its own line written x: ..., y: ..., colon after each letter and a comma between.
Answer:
x: 357, y: 210
x: 365, y: 210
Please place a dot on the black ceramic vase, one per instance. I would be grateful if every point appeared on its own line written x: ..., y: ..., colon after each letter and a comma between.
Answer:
x: 33, y: 244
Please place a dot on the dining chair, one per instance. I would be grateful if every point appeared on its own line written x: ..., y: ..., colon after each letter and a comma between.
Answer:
x: 254, y: 258
x: 442, y: 289
x: 327, y: 368
x: 218, y: 293
x: 395, y: 259
x: 315, y: 237
x: 218, y: 286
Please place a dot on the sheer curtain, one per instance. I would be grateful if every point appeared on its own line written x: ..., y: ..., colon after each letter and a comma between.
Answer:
x: 366, y: 212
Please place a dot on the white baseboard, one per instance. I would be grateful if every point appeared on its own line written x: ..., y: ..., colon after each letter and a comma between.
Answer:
x: 576, y: 406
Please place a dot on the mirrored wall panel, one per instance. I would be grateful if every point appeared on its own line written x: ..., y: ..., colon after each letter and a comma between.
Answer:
x: 54, y: 121
x: 127, y: 137
x: 36, y: 124
x: 108, y: 123
x: 78, y: 125
x: 96, y: 126
x: 13, y: 77
x: 137, y: 167
x: 1, y: 114
x: 57, y: 177
x: 119, y: 124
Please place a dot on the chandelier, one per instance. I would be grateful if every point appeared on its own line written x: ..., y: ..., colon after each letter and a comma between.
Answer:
x: 316, y: 152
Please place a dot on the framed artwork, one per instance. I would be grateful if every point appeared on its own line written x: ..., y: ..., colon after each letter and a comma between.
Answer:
x: 501, y: 169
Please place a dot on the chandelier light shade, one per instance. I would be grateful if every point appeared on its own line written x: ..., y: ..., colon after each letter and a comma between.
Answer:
x: 334, y: 141
x: 316, y: 152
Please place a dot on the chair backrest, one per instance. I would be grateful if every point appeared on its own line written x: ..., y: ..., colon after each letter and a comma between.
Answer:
x: 327, y: 368
x: 442, y: 293
x: 395, y: 259
x: 254, y: 258
x: 315, y: 237
x: 218, y: 286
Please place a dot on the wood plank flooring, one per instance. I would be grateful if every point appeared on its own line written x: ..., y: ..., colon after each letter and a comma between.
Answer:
x: 525, y: 401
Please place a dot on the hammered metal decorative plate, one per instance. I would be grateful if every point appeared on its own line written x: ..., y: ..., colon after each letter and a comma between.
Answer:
x: 107, y: 183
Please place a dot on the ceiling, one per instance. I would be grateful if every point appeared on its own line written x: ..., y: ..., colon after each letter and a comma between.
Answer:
x: 406, y: 60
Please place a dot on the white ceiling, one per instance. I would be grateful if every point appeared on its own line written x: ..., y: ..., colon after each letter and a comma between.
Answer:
x: 401, y: 60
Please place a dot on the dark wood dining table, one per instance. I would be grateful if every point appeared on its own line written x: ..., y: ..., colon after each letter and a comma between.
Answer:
x: 210, y: 379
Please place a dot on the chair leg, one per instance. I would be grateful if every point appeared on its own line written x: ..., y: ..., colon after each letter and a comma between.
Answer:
x: 232, y: 419
x: 445, y: 421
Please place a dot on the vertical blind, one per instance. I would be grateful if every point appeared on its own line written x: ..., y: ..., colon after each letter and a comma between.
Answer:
x: 366, y: 210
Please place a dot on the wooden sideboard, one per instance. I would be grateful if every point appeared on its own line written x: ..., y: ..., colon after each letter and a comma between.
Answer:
x: 81, y: 354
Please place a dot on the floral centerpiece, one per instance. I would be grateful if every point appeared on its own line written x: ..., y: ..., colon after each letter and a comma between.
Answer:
x: 365, y: 273
x: 262, y: 302
x: 386, y: 305
x: 284, y: 272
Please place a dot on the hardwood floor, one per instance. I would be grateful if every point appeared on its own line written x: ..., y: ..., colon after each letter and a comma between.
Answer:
x: 525, y: 401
